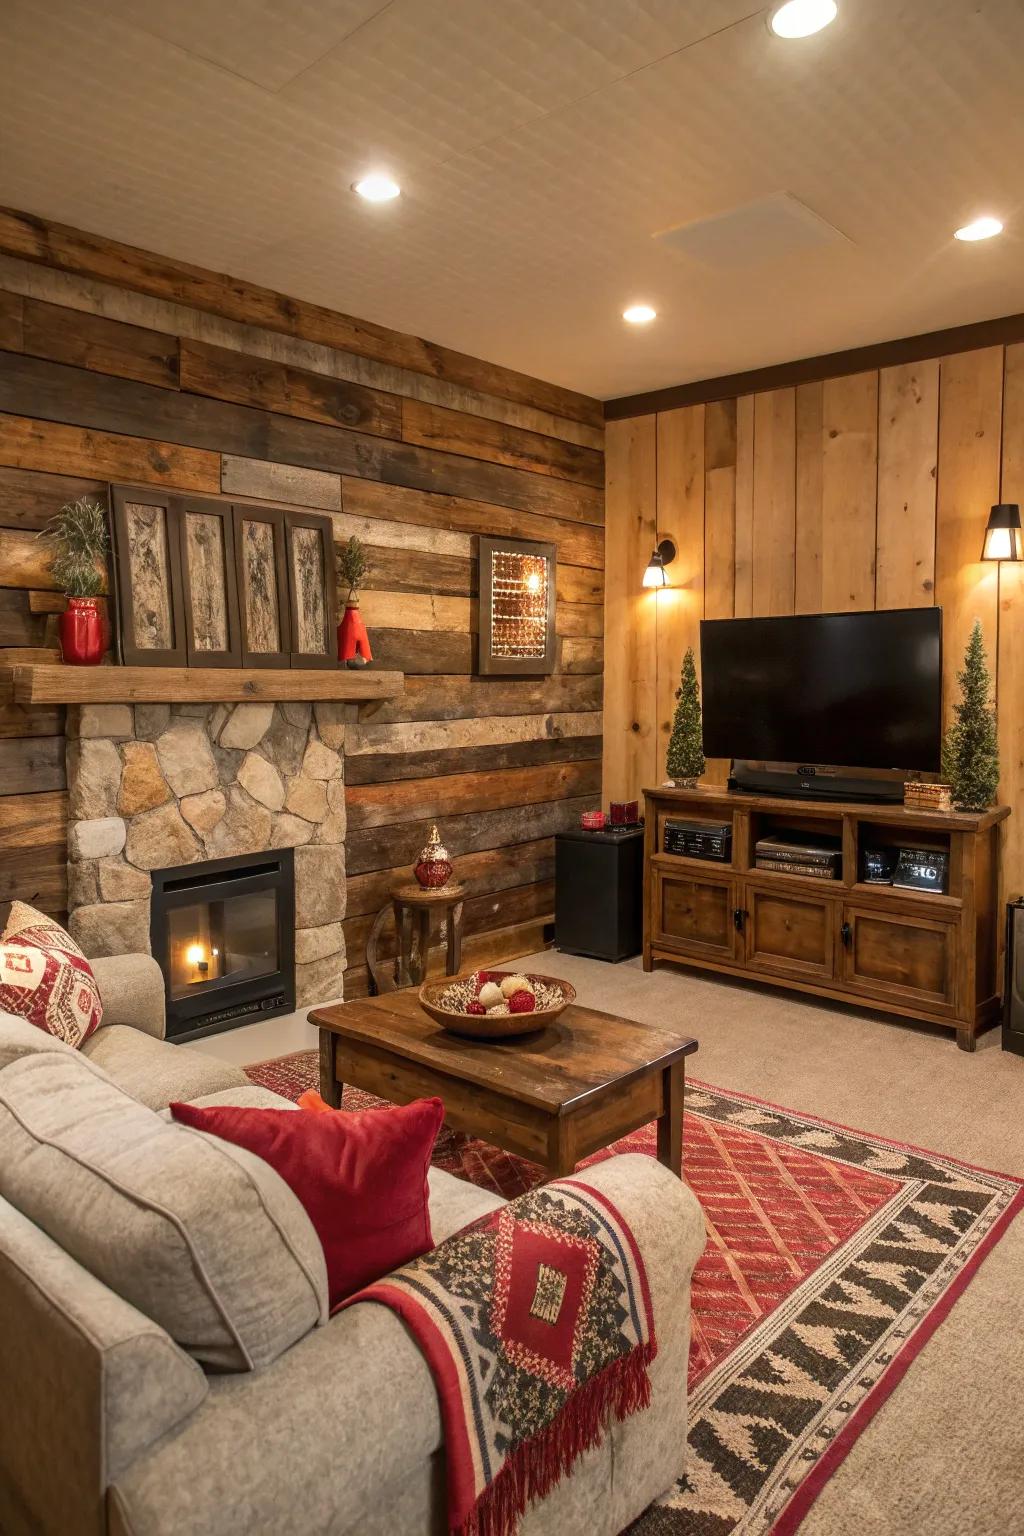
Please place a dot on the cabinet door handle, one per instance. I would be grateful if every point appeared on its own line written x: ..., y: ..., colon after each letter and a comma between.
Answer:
x: 846, y: 934
x: 737, y: 919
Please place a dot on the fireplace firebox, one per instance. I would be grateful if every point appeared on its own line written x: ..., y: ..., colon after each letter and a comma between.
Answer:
x: 223, y: 933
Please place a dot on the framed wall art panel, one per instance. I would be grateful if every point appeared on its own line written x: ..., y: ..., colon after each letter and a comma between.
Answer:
x: 263, y: 605
x: 147, y: 537
x: 312, y: 588
x: 210, y: 581
x: 517, y: 607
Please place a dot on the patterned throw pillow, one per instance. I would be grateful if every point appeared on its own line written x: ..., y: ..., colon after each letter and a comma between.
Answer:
x: 45, y: 978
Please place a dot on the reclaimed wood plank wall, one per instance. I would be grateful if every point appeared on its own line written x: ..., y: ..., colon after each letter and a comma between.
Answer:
x: 122, y: 366
x: 868, y: 490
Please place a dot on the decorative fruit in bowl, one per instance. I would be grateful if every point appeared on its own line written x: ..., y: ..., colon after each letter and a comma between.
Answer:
x: 490, y: 1005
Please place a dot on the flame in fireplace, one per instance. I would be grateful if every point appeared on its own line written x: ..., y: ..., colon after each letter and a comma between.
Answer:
x: 195, y: 954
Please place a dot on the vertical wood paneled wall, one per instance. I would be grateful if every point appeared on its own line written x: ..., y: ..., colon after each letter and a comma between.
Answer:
x: 118, y: 365
x: 869, y: 490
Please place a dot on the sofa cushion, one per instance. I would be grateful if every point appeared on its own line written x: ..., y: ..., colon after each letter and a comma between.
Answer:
x: 200, y: 1236
x: 45, y: 978
x: 361, y: 1176
x: 155, y: 1071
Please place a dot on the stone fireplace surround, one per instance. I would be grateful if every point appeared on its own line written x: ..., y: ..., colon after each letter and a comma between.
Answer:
x: 155, y: 785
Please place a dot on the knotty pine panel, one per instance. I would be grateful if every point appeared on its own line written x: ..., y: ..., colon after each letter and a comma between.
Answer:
x: 630, y: 613
x: 908, y: 449
x: 680, y: 605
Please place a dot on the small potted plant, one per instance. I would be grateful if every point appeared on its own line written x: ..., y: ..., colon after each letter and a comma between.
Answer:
x: 80, y: 542
x: 353, y: 641
x: 685, y: 749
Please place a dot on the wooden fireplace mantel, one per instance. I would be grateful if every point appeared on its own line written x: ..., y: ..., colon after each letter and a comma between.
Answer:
x: 192, y: 685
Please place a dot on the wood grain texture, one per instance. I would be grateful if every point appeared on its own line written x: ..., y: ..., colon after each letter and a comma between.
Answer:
x: 393, y: 766
x: 71, y: 250
x: 101, y: 345
x: 54, y: 392
x: 679, y: 606
x: 31, y: 764
x: 807, y: 574
x: 630, y: 614
x: 491, y: 869
x: 576, y: 543
x: 29, y: 500
x: 399, y: 843
x: 89, y: 296
x: 1010, y: 669
x: 849, y: 473
x: 744, y: 538
x: 46, y: 684
x: 459, y: 698
x: 773, y: 584
x: 908, y: 446
x: 431, y: 426
x: 25, y: 560
x: 258, y: 480
x: 720, y: 448
x: 62, y: 450
x: 372, y: 805
x: 33, y: 849
x: 226, y: 375
x: 12, y: 328
x: 970, y: 418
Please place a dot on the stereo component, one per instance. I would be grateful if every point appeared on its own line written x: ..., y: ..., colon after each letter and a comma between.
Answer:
x: 699, y: 839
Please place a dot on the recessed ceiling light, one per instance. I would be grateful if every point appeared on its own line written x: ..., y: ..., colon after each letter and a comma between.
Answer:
x: 639, y: 314
x: 801, y: 18
x: 377, y: 188
x: 979, y: 229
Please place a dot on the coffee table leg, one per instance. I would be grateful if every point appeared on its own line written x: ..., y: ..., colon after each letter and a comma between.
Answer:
x: 670, y: 1121
x: 330, y: 1089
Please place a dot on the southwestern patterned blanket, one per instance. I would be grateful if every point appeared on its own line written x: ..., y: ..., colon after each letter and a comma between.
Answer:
x: 536, y: 1323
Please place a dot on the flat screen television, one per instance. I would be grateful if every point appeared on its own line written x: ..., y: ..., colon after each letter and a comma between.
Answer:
x: 860, y: 690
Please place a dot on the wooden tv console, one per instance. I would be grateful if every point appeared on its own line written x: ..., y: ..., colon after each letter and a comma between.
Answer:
x: 914, y: 953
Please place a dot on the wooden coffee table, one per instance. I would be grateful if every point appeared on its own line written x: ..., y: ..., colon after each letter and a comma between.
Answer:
x: 553, y: 1097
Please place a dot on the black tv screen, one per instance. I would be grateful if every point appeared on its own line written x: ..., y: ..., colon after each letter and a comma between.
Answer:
x: 858, y: 690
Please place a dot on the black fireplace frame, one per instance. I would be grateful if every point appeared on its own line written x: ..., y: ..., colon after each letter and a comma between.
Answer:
x: 240, y: 1002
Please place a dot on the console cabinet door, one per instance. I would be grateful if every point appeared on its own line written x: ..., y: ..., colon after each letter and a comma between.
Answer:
x: 695, y: 914
x: 899, y: 957
x: 790, y: 933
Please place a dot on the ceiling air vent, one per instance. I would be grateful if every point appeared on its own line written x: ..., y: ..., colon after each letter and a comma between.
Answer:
x: 769, y: 229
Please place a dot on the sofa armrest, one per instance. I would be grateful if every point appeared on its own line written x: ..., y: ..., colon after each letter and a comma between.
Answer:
x: 89, y: 1383
x: 132, y: 991
x: 350, y: 1411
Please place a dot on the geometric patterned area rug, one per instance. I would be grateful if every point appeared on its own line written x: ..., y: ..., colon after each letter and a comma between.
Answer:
x: 832, y: 1257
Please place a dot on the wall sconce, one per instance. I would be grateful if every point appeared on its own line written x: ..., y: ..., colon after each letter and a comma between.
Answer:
x: 654, y: 576
x: 1002, y: 535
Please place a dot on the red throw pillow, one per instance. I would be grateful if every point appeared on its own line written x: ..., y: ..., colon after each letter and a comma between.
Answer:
x: 45, y: 978
x: 362, y: 1177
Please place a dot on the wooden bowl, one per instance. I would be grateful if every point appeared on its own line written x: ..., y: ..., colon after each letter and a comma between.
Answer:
x: 504, y: 1026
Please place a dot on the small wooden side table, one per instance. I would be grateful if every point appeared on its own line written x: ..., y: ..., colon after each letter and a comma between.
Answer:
x: 414, y: 910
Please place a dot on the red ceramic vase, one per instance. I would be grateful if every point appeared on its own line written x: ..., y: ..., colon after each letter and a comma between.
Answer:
x: 81, y: 633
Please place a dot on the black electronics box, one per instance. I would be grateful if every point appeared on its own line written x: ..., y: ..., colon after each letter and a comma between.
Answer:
x: 879, y: 865
x: 699, y: 839
x: 922, y: 869
x: 599, y: 902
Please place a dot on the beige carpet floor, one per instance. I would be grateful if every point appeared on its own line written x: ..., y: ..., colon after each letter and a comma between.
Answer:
x: 945, y: 1454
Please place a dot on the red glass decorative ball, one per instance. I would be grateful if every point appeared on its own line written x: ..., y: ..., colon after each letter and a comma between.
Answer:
x: 475, y: 1009
x: 522, y: 1002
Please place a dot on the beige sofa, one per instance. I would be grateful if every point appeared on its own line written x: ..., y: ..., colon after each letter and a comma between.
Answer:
x: 294, y: 1421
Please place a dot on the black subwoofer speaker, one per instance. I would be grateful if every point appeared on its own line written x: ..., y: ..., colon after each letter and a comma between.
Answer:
x: 1013, y: 993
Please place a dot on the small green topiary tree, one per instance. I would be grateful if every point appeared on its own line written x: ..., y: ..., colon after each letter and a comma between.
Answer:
x: 970, y: 750
x: 685, y: 749
x: 352, y: 567
x: 78, y: 537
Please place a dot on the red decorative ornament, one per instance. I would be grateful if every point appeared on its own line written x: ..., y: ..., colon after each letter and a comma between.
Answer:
x: 353, y: 641
x: 434, y: 867
x: 81, y: 632
x: 522, y: 1002
x: 475, y: 1009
